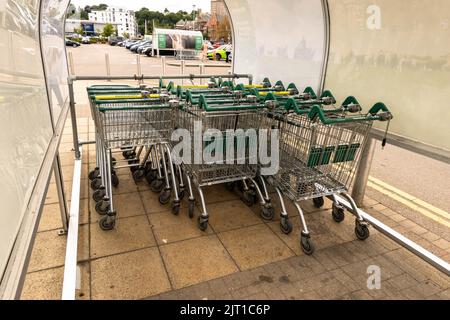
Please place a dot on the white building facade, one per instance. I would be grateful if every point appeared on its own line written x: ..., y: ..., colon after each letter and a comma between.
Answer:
x: 125, y: 19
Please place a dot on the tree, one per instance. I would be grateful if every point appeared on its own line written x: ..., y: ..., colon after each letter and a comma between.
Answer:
x: 71, y: 10
x: 223, y: 30
x: 126, y: 35
x: 108, y: 30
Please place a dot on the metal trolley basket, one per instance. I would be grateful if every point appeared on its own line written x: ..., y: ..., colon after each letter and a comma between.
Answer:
x: 126, y: 124
x: 221, y: 116
x: 319, y: 152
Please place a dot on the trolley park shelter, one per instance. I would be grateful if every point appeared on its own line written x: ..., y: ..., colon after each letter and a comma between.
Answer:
x: 398, y: 50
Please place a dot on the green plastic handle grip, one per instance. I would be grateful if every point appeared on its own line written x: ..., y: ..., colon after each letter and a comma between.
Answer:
x: 316, y: 111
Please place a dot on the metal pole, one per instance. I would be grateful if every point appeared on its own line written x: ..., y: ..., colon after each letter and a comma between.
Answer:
x: 182, y: 65
x: 163, y: 64
x: 71, y: 65
x: 138, y: 64
x: 362, y: 173
x: 202, y: 71
x: 108, y: 66
x: 73, y: 118
x: 61, y: 194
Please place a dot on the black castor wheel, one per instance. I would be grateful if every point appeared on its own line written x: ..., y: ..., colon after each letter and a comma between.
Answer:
x: 102, y: 207
x: 157, y: 185
x: 267, y: 212
x: 318, y: 202
x: 98, y: 194
x: 175, y: 207
x: 107, y: 223
x: 114, y: 180
x: 164, y: 196
x: 191, y: 208
x: 130, y: 154
x: 151, y: 176
x: 361, y: 231
x: 202, y: 223
x: 306, y: 244
x: 337, y: 212
x: 249, y: 198
x: 139, y: 175
x: 285, y: 224
x: 94, y: 174
x: 229, y: 186
x: 96, y: 183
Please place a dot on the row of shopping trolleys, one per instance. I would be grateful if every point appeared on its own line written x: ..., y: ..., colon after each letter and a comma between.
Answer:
x: 319, y: 145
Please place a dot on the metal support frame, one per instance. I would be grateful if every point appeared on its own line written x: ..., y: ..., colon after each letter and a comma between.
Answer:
x: 419, y: 251
x: 61, y: 195
x: 362, y: 172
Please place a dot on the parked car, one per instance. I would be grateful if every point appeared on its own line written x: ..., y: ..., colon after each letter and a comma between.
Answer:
x: 148, y: 51
x: 130, y: 43
x: 144, y: 47
x: 113, y: 40
x: 230, y: 57
x: 220, y: 53
x: 137, y: 45
x: 72, y: 43
x: 85, y: 40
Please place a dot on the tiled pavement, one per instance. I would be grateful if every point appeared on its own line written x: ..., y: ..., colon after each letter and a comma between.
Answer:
x: 154, y: 254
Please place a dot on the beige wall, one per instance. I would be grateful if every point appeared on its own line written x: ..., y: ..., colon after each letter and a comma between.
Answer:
x: 397, y: 52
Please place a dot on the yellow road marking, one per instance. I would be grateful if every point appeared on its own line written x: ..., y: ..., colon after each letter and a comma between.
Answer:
x: 410, y: 201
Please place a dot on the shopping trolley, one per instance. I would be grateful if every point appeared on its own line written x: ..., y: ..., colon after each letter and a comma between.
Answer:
x: 319, y: 151
x: 131, y: 123
x: 221, y: 116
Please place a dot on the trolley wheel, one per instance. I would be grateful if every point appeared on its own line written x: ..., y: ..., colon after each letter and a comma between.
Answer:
x: 285, y: 225
x: 362, y: 231
x: 114, y: 180
x: 202, y: 223
x: 139, y: 175
x: 96, y: 183
x: 267, y: 212
x: 157, y: 185
x: 133, y: 164
x: 130, y: 154
x: 105, y: 224
x: 318, y: 202
x: 337, y: 213
x: 175, y: 207
x: 306, y: 244
x: 94, y: 174
x: 102, y: 207
x: 164, y: 196
x: 98, y: 195
x: 151, y: 176
x: 191, y: 207
x: 248, y: 198
x: 229, y: 186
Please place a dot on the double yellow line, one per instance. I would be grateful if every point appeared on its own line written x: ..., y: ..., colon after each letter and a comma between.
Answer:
x: 410, y: 201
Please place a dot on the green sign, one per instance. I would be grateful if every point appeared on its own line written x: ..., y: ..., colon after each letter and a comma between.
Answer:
x: 161, y: 41
x: 198, y: 43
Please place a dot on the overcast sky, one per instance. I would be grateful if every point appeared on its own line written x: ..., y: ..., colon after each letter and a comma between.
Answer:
x: 156, y: 5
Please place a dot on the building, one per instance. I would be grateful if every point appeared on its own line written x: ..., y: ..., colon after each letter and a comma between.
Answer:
x: 89, y: 27
x: 125, y: 20
x: 218, y: 9
x: 199, y: 24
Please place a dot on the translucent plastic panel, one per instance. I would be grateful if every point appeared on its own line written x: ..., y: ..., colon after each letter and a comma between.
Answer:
x: 54, y: 52
x: 25, y: 126
x: 282, y: 40
x: 397, y: 52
